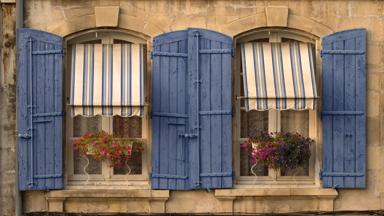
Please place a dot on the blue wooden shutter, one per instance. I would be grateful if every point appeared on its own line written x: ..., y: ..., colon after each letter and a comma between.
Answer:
x: 170, y: 112
x: 39, y: 110
x: 191, y: 110
x: 344, y: 109
x: 215, y: 107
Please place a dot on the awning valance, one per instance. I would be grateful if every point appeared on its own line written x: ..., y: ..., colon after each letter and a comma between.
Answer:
x: 278, y: 76
x: 107, y: 79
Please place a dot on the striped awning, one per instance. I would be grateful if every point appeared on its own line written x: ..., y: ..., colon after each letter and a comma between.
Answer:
x: 107, y: 79
x: 278, y: 76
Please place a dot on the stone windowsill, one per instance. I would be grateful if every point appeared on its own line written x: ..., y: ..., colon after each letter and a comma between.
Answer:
x: 279, y: 192
x: 109, y: 193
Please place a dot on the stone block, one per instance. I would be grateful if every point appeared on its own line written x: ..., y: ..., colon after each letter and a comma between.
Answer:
x: 277, y: 16
x: 70, y: 13
x: 365, y: 8
x: 375, y: 54
x: 374, y: 81
x: 107, y: 16
x: 373, y: 103
x: 374, y: 158
x: 34, y: 201
x: 55, y: 204
x: 373, y: 131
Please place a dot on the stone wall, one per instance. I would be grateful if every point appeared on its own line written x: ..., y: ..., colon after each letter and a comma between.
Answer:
x: 151, y: 18
x: 7, y: 109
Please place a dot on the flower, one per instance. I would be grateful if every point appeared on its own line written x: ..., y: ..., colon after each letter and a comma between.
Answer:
x: 279, y: 150
x: 104, y: 146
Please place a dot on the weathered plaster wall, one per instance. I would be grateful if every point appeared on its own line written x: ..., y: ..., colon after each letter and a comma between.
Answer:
x: 318, y: 17
x: 7, y: 109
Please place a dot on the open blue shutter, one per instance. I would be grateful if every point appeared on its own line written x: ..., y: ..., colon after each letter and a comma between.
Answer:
x: 39, y: 110
x: 215, y: 108
x: 344, y: 109
x: 191, y: 110
x: 170, y: 112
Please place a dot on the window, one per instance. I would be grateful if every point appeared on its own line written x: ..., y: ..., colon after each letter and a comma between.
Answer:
x: 249, y: 123
x: 82, y: 170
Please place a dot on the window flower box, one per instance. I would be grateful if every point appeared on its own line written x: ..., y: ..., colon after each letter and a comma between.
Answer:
x: 103, y: 146
x: 279, y: 150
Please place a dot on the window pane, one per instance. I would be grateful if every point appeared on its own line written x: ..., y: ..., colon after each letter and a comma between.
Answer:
x: 82, y: 166
x: 295, y: 121
x: 253, y: 122
x: 247, y: 167
x: 127, y: 127
x: 83, y: 125
x: 133, y: 166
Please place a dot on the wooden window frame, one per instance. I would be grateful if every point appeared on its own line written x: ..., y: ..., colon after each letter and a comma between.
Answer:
x: 107, y: 179
x: 274, y: 124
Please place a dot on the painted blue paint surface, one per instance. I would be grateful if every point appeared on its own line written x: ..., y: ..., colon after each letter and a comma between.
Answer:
x: 344, y: 109
x: 40, y: 110
x: 191, y: 110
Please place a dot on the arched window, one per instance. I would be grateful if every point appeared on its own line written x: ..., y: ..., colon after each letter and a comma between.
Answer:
x: 83, y: 170
x: 248, y: 123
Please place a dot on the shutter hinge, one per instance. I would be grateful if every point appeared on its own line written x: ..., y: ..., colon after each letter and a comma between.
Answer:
x: 321, y: 174
x: 233, y: 52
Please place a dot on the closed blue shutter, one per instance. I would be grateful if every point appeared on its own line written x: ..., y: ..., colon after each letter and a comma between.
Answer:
x: 191, y: 110
x: 344, y: 109
x: 39, y: 110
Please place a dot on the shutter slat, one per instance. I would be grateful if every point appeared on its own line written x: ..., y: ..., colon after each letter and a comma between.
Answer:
x: 164, y: 107
x: 227, y: 119
x: 40, y: 88
x: 193, y: 97
x: 344, y: 109
x: 215, y: 111
x: 350, y: 101
x: 206, y: 129
x: 182, y: 153
x: 169, y: 113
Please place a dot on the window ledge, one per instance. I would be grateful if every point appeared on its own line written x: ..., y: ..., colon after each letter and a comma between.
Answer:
x: 109, y: 193
x: 271, y: 192
x: 296, y: 199
x: 137, y: 200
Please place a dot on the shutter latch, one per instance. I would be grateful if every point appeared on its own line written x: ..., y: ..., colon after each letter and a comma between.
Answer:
x: 188, y: 135
x: 24, y: 136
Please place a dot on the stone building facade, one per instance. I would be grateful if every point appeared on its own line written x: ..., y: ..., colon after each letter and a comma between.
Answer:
x: 233, y: 18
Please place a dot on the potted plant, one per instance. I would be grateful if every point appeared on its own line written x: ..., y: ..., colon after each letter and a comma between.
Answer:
x: 279, y: 150
x: 104, y: 146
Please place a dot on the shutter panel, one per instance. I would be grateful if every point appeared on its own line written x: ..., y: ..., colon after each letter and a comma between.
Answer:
x: 40, y: 110
x: 215, y: 67
x: 169, y: 112
x: 191, y: 110
x: 344, y: 109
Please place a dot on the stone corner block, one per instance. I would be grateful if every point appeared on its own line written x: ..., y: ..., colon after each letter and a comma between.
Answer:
x: 277, y: 16
x: 107, y: 16
x: 55, y: 204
